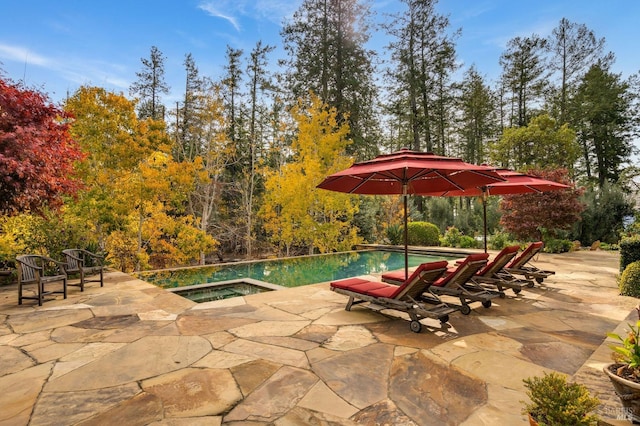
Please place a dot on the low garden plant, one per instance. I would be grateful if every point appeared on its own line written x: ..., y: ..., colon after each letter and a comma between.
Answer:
x: 556, y: 402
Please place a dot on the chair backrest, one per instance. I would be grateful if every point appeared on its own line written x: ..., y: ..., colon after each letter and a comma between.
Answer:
x: 420, y: 280
x: 499, y: 262
x: 526, y: 255
x: 464, y: 271
x: 73, y: 259
x: 28, y: 268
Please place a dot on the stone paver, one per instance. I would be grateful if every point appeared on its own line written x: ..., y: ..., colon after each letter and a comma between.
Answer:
x: 144, y: 358
x: 133, y: 354
x: 434, y: 392
x: 194, y: 392
x: 283, y: 390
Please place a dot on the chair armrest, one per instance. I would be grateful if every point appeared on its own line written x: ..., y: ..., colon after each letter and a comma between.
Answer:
x: 96, y: 259
x: 59, y: 265
x: 95, y: 256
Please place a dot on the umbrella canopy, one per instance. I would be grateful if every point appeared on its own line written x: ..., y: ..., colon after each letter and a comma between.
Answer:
x: 409, y: 172
x: 514, y: 183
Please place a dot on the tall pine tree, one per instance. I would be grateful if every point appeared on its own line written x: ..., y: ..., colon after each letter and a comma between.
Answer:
x: 325, y: 42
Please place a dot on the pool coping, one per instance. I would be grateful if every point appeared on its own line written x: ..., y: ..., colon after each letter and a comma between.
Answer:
x: 250, y: 281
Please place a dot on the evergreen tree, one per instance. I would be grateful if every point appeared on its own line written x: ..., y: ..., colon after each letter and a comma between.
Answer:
x: 524, y: 74
x: 231, y: 83
x: 258, y: 75
x: 424, y: 58
x: 477, y: 122
x: 150, y: 86
x: 325, y: 42
x: 574, y: 48
x: 605, y: 121
x: 186, y: 120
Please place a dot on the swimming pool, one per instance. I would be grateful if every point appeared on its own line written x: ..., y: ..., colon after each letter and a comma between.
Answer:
x: 292, y: 271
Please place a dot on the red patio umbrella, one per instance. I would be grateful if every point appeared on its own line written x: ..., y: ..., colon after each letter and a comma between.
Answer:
x: 514, y: 183
x: 410, y: 172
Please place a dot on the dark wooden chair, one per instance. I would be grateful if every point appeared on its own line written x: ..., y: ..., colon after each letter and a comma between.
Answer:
x: 41, y: 271
x: 85, y: 264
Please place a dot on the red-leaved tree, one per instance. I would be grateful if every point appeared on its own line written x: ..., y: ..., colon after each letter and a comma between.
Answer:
x: 527, y: 215
x: 37, y: 152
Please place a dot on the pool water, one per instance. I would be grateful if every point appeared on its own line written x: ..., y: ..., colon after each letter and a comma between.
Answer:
x: 291, y: 272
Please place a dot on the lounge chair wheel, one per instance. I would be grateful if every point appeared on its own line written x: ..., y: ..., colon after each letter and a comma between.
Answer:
x: 502, y: 295
x: 444, y: 319
x: 539, y: 280
x: 517, y: 290
x: 415, y: 326
x: 530, y: 285
x: 465, y: 309
x: 486, y: 303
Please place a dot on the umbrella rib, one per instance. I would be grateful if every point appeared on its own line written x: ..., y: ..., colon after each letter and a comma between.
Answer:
x: 481, y: 173
x: 446, y: 178
x: 360, y: 184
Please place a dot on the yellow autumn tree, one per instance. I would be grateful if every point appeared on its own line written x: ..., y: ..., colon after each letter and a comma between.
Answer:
x: 135, y: 192
x: 157, y: 189
x: 297, y: 214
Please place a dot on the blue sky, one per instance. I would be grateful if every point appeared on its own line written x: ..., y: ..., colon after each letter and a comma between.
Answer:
x: 59, y: 45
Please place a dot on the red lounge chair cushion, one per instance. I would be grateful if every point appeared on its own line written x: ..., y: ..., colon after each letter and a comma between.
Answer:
x: 441, y: 282
x: 346, y: 284
x: 395, y: 276
x: 388, y: 291
x: 379, y: 289
x: 527, y: 254
x: 505, y: 251
x: 423, y: 267
x: 358, y: 285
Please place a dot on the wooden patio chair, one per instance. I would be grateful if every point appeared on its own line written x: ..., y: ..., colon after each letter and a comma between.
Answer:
x: 41, y: 271
x: 85, y: 264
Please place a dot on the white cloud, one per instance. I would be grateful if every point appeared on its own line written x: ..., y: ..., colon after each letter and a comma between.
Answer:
x: 36, y: 68
x: 218, y: 11
x: 22, y: 54
x: 233, y: 11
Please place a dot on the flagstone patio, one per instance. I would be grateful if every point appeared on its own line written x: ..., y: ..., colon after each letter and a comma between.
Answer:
x: 131, y: 353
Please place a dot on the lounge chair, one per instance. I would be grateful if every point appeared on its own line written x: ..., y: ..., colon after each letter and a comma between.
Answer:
x: 521, y: 266
x: 41, y: 271
x: 404, y: 298
x: 458, y: 283
x: 495, y: 275
x: 84, y: 263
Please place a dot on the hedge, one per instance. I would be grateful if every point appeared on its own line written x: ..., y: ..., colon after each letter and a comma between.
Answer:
x: 423, y: 234
x: 629, y: 251
x: 630, y: 280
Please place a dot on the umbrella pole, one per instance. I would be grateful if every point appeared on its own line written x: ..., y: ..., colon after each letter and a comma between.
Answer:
x: 484, y: 216
x: 406, y: 234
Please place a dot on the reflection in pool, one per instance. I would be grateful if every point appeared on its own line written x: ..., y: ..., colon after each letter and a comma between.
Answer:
x: 290, y: 272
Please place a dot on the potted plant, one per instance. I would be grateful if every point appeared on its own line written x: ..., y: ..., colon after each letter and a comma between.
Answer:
x: 555, y: 402
x: 624, y: 372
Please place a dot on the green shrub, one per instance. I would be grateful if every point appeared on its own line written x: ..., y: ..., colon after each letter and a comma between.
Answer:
x: 468, y: 242
x: 423, y: 234
x: 451, y: 237
x: 553, y: 245
x: 394, y: 234
x: 554, y: 401
x: 629, y: 282
x: 629, y: 251
x: 609, y: 247
x: 500, y: 240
